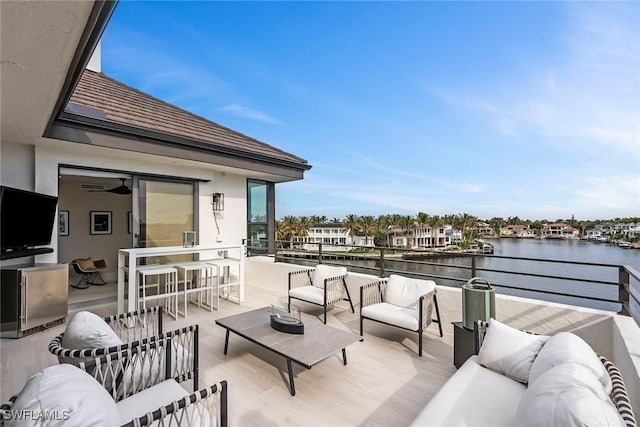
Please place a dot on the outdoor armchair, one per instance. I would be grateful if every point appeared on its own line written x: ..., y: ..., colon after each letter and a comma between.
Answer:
x: 122, y: 389
x: 401, y: 302
x: 88, y: 336
x: 323, y: 285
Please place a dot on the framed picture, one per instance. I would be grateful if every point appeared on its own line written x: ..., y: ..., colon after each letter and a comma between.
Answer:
x: 129, y: 222
x: 100, y: 222
x: 63, y: 223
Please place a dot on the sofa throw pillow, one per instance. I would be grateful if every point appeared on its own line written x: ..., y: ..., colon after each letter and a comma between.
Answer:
x: 568, y: 394
x: 509, y: 351
x: 567, y: 347
x: 406, y: 292
x: 67, y: 396
x: 322, y: 272
x: 87, y: 330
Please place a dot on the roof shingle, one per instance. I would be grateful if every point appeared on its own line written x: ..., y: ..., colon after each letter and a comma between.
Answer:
x: 124, y: 105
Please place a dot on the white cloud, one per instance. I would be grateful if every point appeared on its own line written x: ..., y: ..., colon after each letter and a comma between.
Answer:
x: 250, y: 113
x: 587, y: 99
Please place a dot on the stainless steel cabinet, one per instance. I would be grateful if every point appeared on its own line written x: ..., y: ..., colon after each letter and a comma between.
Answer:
x: 33, y: 297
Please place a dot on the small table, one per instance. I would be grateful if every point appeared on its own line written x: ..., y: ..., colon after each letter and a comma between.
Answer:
x: 318, y: 342
x: 463, y: 345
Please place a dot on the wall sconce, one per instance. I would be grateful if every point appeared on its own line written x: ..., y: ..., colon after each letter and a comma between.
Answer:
x: 217, y: 200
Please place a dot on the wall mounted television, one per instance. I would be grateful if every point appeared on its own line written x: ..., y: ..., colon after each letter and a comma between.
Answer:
x: 26, y: 222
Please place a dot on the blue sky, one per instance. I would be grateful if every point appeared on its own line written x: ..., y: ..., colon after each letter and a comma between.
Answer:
x: 528, y: 109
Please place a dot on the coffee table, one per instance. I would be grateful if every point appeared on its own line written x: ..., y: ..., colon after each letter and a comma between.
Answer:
x: 318, y: 342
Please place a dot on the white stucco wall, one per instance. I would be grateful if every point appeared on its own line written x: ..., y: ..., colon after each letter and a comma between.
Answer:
x: 35, y: 168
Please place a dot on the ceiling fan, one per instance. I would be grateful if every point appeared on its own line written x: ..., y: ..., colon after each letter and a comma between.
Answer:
x: 121, y: 189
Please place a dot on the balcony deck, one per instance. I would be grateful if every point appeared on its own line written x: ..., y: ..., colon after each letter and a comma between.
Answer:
x: 385, y: 382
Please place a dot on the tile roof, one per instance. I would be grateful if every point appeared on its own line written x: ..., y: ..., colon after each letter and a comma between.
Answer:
x: 123, y: 105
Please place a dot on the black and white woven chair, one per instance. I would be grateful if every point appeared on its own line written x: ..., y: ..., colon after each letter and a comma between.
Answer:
x: 401, y: 302
x: 323, y: 285
x: 88, y: 336
x: 134, y: 387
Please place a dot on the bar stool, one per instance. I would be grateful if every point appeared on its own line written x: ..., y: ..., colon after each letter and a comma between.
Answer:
x: 170, y: 293
x: 224, y: 285
x: 198, y: 279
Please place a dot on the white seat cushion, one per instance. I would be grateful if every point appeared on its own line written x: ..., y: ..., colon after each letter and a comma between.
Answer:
x: 509, y: 351
x: 393, y: 314
x: 568, y: 394
x: 567, y: 347
x: 308, y: 293
x: 406, y: 292
x: 87, y: 330
x: 322, y: 272
x: 70, y: 396
x: 473, y: 397
x: 149, y: 400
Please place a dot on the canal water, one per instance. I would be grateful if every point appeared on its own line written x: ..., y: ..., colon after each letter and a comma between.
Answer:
x: 520, y: 277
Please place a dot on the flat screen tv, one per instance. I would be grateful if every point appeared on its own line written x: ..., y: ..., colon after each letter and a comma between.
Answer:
x: 26, y: 219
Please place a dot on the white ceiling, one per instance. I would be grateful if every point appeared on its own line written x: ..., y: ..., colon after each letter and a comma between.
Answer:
x: 38, y: 40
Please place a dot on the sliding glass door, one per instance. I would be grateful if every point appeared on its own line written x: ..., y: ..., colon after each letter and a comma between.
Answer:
x: 164, y: 210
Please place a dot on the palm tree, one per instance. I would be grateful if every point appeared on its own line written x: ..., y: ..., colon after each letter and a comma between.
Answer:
x: 287, y: 228
x: 382, y: 231
x: 394, y: 221
x: 304, y: 223
x: 407, y: 222
x: 367, y: 225
x: 466, y: 223
x: 350, y: 225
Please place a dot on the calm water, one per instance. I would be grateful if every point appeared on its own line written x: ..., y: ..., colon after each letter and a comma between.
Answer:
x: 570, y: 276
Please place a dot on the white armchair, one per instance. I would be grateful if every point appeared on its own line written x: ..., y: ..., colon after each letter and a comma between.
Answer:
x: 323, y: 285
x: 401, y: 302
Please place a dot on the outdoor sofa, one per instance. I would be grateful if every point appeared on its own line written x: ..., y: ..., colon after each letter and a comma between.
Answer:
x: 523, y: 379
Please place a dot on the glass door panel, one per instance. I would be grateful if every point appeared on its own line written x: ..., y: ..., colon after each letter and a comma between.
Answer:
x: 166, y: 210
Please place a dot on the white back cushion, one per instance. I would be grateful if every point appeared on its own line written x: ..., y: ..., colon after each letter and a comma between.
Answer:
x: 509, y: 351
x: 567, y: 347
x: 69, y: 396
x: 87, y: 330
x: 406, y: 292
x: 323, y: 272
x: 568, y: 394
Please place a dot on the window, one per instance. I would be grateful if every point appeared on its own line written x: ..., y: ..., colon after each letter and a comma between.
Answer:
x: 260, y: 215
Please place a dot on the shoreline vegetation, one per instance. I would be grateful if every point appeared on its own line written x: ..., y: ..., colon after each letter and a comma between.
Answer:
x: 453, y: 232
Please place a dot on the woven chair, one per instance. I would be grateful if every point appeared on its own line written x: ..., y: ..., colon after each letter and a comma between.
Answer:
x: 89, y: 271
x: 139, y: 387
x: 400, y: 302
x: 131, y: 328
x: 618, y: 395
x: 323, y: 285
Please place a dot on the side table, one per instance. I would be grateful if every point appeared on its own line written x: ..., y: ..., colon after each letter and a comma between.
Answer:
x: 463, y: 346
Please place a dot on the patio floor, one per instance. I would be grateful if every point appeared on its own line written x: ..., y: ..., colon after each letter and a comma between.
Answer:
x: 385, y: 382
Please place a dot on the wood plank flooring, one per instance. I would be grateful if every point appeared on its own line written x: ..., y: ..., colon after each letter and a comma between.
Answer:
x: 384, y: 384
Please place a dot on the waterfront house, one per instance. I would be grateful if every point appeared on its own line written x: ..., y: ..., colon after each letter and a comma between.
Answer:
x: 559, y: 230
x: 100, y: 145
x: 517, y: 230
x: 333, y: 236
x: 627, y: 230
x: 484, y: 229
x: 427, y: 236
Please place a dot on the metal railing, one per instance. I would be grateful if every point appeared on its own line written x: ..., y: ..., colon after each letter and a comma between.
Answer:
x: 597, y: 285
